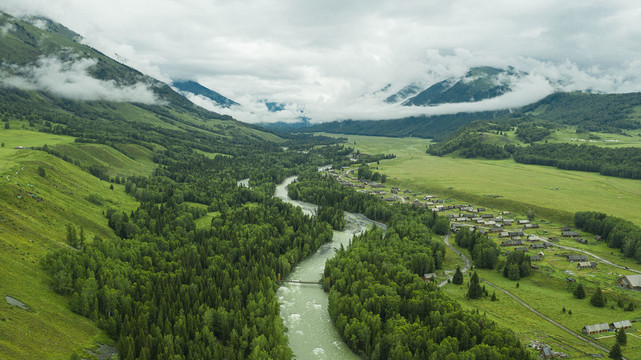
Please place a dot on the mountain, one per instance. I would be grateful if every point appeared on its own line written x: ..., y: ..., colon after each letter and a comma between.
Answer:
x: 76, y: 127
x: 437, y: 127
x: 477, y: 84
x: 46, y: 72
x: 588, y: 112
x: 405, y: 93
x: 197, y: 89
x: 285, y: 127
x: 273, y: 106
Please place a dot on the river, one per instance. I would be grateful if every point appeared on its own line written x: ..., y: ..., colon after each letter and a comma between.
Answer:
x: 311, y: 332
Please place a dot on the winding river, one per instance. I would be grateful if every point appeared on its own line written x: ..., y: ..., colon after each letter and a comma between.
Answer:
x: 311, y: 333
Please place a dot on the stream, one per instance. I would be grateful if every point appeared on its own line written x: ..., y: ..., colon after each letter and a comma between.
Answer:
x: 303, y: 307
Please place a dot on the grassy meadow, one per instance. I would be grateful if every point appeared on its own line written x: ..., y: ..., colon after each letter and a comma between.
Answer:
x: 34, y: 211
x: 552, y: 193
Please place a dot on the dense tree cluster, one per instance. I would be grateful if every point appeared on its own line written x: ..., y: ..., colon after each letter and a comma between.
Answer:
x: 167, y: 289
x: 364, y: 172
x: 528, y: 132
x: 484, y: 251
x: 385, y: 310
x: 517, y: 265
x: 619, y: 162
x: 617, y: 232
x: 470, y: 145
x: 325, y: 191
x: 381, y: 305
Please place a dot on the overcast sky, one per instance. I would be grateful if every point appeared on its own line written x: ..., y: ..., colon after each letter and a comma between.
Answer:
x: 328, y: 57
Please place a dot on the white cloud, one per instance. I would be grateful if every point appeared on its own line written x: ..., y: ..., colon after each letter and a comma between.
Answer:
x: 70, y: 79
x: 7, y: 28
x: 327, y: 54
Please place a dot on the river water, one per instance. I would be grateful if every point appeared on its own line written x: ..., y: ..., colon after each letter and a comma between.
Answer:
x: 311, y: 333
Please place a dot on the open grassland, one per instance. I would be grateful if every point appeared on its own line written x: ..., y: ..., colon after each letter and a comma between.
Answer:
x: 550, y: 192
x: 550, y: 295
x: 34, y: 211
x: 630, y: 138
x: 525, y: 324
x: 113, y: 160
x: 568, y: 134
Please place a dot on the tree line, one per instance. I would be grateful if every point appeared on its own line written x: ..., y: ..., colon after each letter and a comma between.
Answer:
x: 616, y: 232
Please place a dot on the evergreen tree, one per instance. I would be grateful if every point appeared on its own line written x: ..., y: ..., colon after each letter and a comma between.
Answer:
x: 474, y: 290
x: 579, y: 292
x: 458, y: 276
x: 513, y: 272
x: 622, y: 337
x: 615, y: 352
x: 598, y: 299
x: 72, y: 237
x: 530, y: 214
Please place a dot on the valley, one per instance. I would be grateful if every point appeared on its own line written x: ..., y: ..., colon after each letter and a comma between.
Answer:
x: 495, y: 216
x: 548, y: 288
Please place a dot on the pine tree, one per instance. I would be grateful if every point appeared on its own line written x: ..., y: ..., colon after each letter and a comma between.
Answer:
x: 474, y: 290
x: 622, y: 337
x: 72, y: 237
x: 598, y: 299
x: 615, y: 352
x: 579, y: 292
x: 458, y: 276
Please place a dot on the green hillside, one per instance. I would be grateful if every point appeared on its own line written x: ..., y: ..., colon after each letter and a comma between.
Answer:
x: 35, y: 210
x: 29, y: 47
x: 55, y: 151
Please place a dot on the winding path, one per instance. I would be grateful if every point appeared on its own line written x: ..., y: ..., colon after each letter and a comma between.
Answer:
x: 527, y: 306
x: 468, y: 263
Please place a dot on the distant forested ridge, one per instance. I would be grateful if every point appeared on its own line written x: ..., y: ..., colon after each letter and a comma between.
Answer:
x: 589, y: 112
x: 378, y: 299
x: 437, y: 127
x: 619, y: 162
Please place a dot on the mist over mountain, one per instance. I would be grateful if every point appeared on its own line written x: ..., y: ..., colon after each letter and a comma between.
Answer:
x: 194, y: 88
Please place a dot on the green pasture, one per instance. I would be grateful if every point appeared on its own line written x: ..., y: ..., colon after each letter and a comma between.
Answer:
x: 526, y: 325
x: 552, y: 193
x: 33, y: 214
x: 115, y: 161
x: 630, y: 138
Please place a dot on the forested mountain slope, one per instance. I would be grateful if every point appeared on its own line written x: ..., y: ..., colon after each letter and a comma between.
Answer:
x: 121, y: 221
x: 588, y: 112
x: 477, y: 84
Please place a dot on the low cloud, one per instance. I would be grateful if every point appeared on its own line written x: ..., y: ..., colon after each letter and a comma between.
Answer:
x: 311, y: 57
x: 7, y: 28
x: 70, y: 79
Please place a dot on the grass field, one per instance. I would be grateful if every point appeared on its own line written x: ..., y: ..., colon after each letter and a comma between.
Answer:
x: 113, y: 160
x: 551, y: 192
x: 549, y: 298
x: 33, y: 213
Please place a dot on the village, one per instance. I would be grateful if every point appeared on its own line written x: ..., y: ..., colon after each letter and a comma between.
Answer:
x: 548, y: 245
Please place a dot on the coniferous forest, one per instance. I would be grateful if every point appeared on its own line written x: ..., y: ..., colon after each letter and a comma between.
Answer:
x: 378, y: 298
